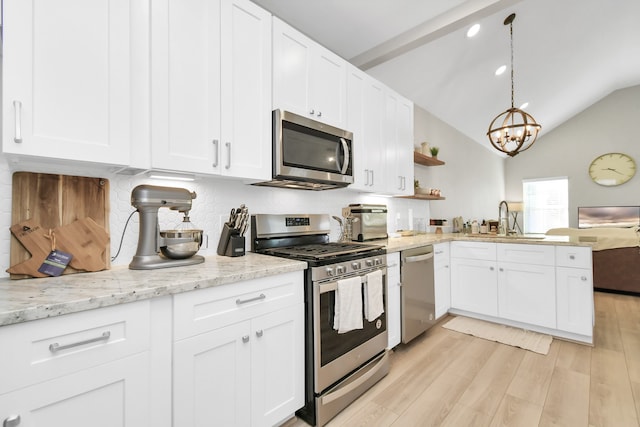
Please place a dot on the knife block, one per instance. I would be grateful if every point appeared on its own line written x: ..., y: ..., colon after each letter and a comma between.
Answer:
x: 231, y: 242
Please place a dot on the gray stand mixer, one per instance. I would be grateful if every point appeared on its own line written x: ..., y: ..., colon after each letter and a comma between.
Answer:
x: 161, y: 249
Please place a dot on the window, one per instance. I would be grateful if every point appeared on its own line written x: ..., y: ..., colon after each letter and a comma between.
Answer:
x: 546, y: 204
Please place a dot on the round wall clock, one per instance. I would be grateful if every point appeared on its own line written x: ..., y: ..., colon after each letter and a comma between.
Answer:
x: 612, y: 169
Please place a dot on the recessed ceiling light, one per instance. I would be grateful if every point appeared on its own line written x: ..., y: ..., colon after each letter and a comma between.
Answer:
x: 501, y: 69
x: 524, y: 106
x: 473, y: 30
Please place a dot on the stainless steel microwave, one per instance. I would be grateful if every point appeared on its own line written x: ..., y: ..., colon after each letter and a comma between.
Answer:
x: 309, y: 155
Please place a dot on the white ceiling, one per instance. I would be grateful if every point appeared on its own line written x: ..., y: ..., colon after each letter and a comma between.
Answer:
x: 568, y: 54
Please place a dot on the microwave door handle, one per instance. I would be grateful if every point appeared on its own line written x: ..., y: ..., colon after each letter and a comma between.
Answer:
x: 347, y: 155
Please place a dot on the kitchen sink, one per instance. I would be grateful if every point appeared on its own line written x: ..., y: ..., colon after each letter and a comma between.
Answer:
x: 509, y: 237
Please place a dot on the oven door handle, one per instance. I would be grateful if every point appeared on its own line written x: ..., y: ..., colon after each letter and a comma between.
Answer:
x: 341, y: 392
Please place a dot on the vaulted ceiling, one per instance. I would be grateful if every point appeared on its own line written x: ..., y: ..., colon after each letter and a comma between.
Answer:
x: 568, y: 54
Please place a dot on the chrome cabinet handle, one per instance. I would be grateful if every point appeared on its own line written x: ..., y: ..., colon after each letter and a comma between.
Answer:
x: 17, y: 106
x: 572, y: 257
x: 228, y: 145
x: 491, y: 268
x: 399, y: 182
x: 371, y: 177
x: 216, y: 154
x: 366, y: 176
x: 259, y: 297
x: 55, y: 347
x: 259, y: 333
x: 502, y: 269
x: 245, y: 339
x: 584, y: 278
x: 312, y: 112
x: 11, y: 421
x: 319, y: 113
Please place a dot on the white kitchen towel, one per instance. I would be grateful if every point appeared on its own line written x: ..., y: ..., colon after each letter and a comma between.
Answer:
x: 373, y: 296
x: 348, y: 306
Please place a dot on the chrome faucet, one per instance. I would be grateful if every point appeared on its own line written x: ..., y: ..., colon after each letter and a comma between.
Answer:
x: 503, y: 228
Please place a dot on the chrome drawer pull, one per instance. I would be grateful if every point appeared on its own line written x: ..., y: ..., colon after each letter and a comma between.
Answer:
x: 245, y: 339
x: 259, y: 333
x: 244, y: 301
x: 57, y: 347
x: 228, y: 145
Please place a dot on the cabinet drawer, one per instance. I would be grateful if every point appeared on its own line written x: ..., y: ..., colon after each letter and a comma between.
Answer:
x: 204, y: 310
x: 474, y: 250
x: 526, y: 254
x: 573, y: 256
x: 50, y: 348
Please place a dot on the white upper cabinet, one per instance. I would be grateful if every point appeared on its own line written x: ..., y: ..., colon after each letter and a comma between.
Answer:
x: 67, y: 79
x: 211, y: 87
x: 398, y: 140
x: 308, y: 79
x: 365, y: 116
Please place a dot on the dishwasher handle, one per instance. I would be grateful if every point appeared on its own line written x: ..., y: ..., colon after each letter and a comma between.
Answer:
x: 418, y: 258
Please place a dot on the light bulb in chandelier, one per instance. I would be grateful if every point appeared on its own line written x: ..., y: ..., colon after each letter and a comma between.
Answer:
x: 514, y: 130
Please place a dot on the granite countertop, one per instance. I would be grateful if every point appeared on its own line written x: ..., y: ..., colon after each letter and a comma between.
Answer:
x: 31, y: 299
x: 395, y: 244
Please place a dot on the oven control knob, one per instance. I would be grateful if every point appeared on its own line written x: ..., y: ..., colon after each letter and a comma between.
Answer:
x: 377, y: 261
x: 369, y: 263
x: 356, y: 265
x: 340, y: 269
x: 329, y: 271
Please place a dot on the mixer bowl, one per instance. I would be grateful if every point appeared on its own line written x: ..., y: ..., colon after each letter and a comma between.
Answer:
x: 180, y: 244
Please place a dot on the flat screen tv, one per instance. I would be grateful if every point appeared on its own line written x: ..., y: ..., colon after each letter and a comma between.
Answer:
x: 608, y: 216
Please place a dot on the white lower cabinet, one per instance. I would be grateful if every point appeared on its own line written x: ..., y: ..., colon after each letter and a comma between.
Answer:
x: 89, y: 368
x: 526, y: 293
x: 442, y: 278
x: 543, y: 287
x: 394, y: 320
x: 574, y: 299
x: 110, y: 395
x: 474, y: 286
x: 243, y: 360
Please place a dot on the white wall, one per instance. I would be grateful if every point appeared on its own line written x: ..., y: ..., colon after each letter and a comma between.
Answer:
x: 610, y: 125
x: 472, y: 180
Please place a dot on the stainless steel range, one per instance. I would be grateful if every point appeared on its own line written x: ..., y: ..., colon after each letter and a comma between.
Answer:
x: 339, y: 367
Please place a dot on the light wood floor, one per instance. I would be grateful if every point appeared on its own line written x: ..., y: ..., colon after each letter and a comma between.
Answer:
x: 445, y: 378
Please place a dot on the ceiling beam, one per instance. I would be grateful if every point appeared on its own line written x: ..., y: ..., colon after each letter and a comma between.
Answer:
x: 445, y: 23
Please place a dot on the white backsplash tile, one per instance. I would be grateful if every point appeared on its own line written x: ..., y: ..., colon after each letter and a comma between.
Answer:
x: 215, y: 198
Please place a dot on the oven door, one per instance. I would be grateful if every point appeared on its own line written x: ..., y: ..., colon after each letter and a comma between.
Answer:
x: 336, y: 355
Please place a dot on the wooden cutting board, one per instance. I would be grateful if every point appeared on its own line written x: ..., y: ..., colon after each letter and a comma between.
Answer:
x: 51, y: 201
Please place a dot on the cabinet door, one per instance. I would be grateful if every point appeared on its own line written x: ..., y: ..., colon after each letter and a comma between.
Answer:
x: 211, y: 378
x: 394, y: 319
x: 246, y: 91
x: 328, y: 87
x: 474, y: 286
x: 292, y: 53
x: 308, y: 79
x: 277, y: 365
x: 67, y: 79
x: 442, y: 276
x: 575, y: 300
x: 115, y: 394
x: 398, y: 140
x: 527, y: 293
x: 185, y: 85
x: 365, y: 115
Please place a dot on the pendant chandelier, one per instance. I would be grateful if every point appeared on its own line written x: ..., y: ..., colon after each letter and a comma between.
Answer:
x: 515, y: 130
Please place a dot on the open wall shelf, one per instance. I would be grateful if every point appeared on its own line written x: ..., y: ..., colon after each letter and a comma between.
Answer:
x: 423, y: 160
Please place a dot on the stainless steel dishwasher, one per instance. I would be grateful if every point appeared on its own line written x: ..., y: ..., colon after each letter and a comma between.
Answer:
x: 417, y: 291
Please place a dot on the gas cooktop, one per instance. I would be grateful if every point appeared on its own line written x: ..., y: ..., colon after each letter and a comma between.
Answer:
x: 323, y: 250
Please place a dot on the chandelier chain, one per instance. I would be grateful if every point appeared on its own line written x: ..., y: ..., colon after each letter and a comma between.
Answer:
x: 512, y: 72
